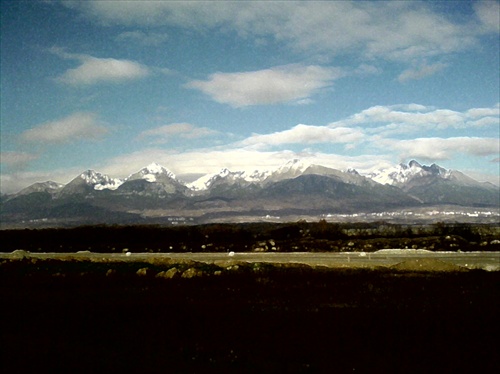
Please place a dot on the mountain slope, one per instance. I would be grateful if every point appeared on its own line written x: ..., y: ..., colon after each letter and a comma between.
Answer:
x: 434, y: 184
x: 447, y: 191
x: 88, y: 182
x: 326, y: 192
x: 228, y: 180
x: 153, y: 180
x: 294, y: 188
x: 49, y: 187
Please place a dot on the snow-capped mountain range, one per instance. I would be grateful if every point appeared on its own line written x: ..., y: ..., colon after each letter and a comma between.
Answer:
x: 151, y: 173
x: 289, y: 170
x: 229, y: 177
x: 402, y: 175
x: 296, y: 186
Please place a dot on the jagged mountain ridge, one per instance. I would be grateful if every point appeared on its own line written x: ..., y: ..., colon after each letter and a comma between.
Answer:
x: 401, y: 176
x: 295, y: 186
x: 434, y: 184
x: 408, y: 176
x: 405, y: 177
x: 89, y: 181
x: 152, y: 180
x: 289, y: 170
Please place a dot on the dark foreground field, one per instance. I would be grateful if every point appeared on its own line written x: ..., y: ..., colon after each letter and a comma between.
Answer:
x: 80, y: 316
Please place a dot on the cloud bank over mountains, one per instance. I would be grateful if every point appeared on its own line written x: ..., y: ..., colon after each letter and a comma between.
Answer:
x: 383, y: 133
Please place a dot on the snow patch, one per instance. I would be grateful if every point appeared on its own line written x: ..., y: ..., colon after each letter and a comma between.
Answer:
x: 296, y: 165
x: 207, y: 181
x: 152, y: 173
x: 155, y: 168
x: 401, y: 174
x: 100, y: 181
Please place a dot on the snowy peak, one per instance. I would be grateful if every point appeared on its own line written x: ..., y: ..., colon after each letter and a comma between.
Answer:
x: 397, y: 175
x: 402, y: 174
x: 155, y: 179
x: 257, y: 176
x: 205, y: 182
x: 437, y: 170
x: 413, y: 165
x: 228, y: 177
x: 90, y: 181
x: 152, y: 180
x: 155, y: 168
x: 224, y: 176
x: 100, y: 181
x: 290, y: 169
x: 295, y: 166
x: 153, y: 173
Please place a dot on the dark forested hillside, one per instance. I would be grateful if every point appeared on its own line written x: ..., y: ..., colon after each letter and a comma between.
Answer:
x: 298, y: 236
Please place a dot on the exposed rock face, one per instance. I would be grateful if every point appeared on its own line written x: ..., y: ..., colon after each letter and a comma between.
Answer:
x: 169, y: 274
x: 192, y: 273
x: 143, y: 272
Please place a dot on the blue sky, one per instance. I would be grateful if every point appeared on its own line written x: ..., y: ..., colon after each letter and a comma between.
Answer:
x: 197, y: 86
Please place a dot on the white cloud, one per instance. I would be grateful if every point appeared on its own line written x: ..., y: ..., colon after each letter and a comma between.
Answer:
x: 16, y: 159
x: 442, y: 148
x: 373, y: 127
x: 414, y: 31
x: 384, y: 114
x: 75, y: 127
x: 270, y: 86
x: 414, y: 117
x: 148, y: 39
x: 411, y: 107
x: 94, y: 70
x: 488, y: 14
x: 187, y: 14
x: 365, y: 69
x: 485, y: 121
x: 420, y: 72
x: 305, y: 134
x: 483, y: 112
x: 209, y: 160
x: 392, y: 30
x: 166, y: 133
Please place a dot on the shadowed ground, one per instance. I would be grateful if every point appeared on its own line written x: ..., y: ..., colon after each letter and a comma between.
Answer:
x: 245, y: 318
